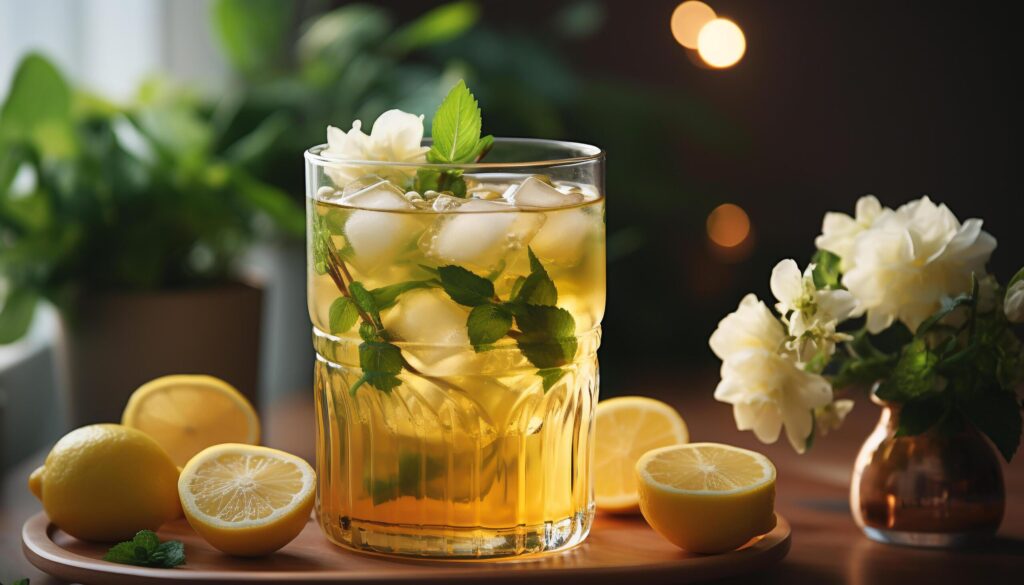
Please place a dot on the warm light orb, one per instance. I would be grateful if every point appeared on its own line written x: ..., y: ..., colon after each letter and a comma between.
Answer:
x: 728, y: 225
x: 687, y: 20
x: 721, y: 43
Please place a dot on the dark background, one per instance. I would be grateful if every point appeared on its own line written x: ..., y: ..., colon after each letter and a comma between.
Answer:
x: 832, y: 100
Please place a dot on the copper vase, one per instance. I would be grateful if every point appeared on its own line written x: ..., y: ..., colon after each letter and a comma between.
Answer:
x: 929, y: 490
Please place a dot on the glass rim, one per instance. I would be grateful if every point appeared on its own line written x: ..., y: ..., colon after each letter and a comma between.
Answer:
x: 588, y: 153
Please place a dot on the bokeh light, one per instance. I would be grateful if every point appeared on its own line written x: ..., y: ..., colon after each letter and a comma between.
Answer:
x: 721, y: 43
x: 688, y: 19
x: 728, y: 225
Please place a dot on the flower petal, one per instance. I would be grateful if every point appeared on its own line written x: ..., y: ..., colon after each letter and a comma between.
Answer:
x: 786, y: 283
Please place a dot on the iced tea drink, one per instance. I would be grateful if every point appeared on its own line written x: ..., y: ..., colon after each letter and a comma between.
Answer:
x: 456, y: 338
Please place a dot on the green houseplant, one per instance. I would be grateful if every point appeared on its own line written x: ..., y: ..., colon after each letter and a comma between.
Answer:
x: 128, y: 220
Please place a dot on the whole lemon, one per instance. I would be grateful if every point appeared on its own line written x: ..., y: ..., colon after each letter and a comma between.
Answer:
x: 106, y: 482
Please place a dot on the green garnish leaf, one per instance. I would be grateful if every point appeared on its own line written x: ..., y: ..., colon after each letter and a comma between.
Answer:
x: 386, y: 296
x: 381, y: 363
x: 917, y: 416
x: 321, y: 245
x: 365, y: 301
x: 538, y: 288
x: 487, y: 324
x: 548, y: 337
x: 456, y: 127
x: 551, y: 376
x: 146, y: 550
x: 464, y: 287
x: 342, y: 315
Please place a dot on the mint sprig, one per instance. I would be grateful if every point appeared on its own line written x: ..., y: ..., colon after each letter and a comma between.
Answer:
x: 456, y: 140
x: 545, y: 333
x: 146, y: 550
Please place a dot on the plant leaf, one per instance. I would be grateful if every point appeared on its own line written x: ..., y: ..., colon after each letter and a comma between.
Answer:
x: 342, y: 315
x: 146, y: 550
x: 464, y: 287
x: 272, y: 201
x: 919, y: 415
x: 168, y: 554
x: 538, y: 288
x: 997, y: 413
x: 456, y: 127
x: 548, y: 337
x: 16, y: 315
x: 826, y: 273
x: 913, y: 376
x: 551, y: 376
x: 436, y: 26
x: 38, y: 108
x: 387, y: 296
x: 365, y: 301
x: 487, y: 324
x: 252, y: 33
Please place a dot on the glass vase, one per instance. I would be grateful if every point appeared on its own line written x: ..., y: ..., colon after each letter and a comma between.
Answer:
x: 930, y: 490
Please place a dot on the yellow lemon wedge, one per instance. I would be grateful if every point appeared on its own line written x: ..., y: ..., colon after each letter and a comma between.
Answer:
x: 106, y: 482
x: 187, y: 414
x: 626, y: 428
x: 246, y: 500
x: 705, y: 497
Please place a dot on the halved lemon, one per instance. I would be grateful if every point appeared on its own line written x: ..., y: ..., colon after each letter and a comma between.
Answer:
x: 186, y: 414
x: 246, y: 500
x: 626, y: 428
x: 706, y: 497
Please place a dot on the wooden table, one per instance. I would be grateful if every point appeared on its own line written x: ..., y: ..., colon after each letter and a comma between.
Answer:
x: 812, y: 494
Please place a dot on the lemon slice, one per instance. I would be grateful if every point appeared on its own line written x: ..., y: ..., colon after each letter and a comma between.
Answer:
x: 186, y: 414
x: 626, y: 428
x: 246, y: 500
x: 706, y: 497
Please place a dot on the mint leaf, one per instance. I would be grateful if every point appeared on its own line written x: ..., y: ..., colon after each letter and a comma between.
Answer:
x: 381, y: 363
x: 365, y: 301
x: 146, y: 550
x: 548, y: 337
x: 913, y: 376
x: 342, y: 315
x: 464, y: 287
x: 483, y: 147
x: 551, y: 376
x: 368, y: 332
x: 538, y: 288
x: 517, y: 286
x: 456, y: 127
x: 826, y: 273
x: 169, y: 554
x: 487, y: 324
x: 386, y: 296
x: 997, y: 413
x: 321, y: 245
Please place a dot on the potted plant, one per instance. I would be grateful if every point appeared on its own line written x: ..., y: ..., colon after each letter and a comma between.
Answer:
x: 128, y: 220
x: 898, y: 300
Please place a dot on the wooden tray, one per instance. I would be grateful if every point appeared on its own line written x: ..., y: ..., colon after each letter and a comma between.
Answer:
x: 617, y: 548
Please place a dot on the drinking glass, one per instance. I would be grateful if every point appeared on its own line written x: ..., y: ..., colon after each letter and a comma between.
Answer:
x: 456, y: 333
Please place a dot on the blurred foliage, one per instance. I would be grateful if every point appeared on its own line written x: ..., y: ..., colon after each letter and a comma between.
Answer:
x: 97, y: 197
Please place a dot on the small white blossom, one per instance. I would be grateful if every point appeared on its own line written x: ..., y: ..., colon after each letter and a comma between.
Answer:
x: 830, y: 417
x: 764, y: 383
x: 1013, y: 306
x: 811, y: 314
x: 908, y: 260
x: 838, y: 230
x: 396, y: 136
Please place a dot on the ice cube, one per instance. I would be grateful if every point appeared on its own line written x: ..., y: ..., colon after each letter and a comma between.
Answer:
x: 380, y: 195
x: 533, y: 192
x: 480, y: 234
x: 561, y: 239
x: 434, y: 323
x: 377, y: 237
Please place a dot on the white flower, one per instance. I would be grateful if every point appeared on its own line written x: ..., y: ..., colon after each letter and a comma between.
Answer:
x: 830, y: 417
x: 838, y: 230
x: 766, y: 386
x: 811, y: 314
x: 908, y: 260
x: 396, y: 137
x: 1013, y: 306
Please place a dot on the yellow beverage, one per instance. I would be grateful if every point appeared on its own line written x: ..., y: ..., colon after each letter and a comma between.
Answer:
x: 451, y: 449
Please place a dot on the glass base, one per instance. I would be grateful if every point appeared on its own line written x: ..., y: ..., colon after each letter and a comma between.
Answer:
x: 927, y: 539
x: 459, y: 543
